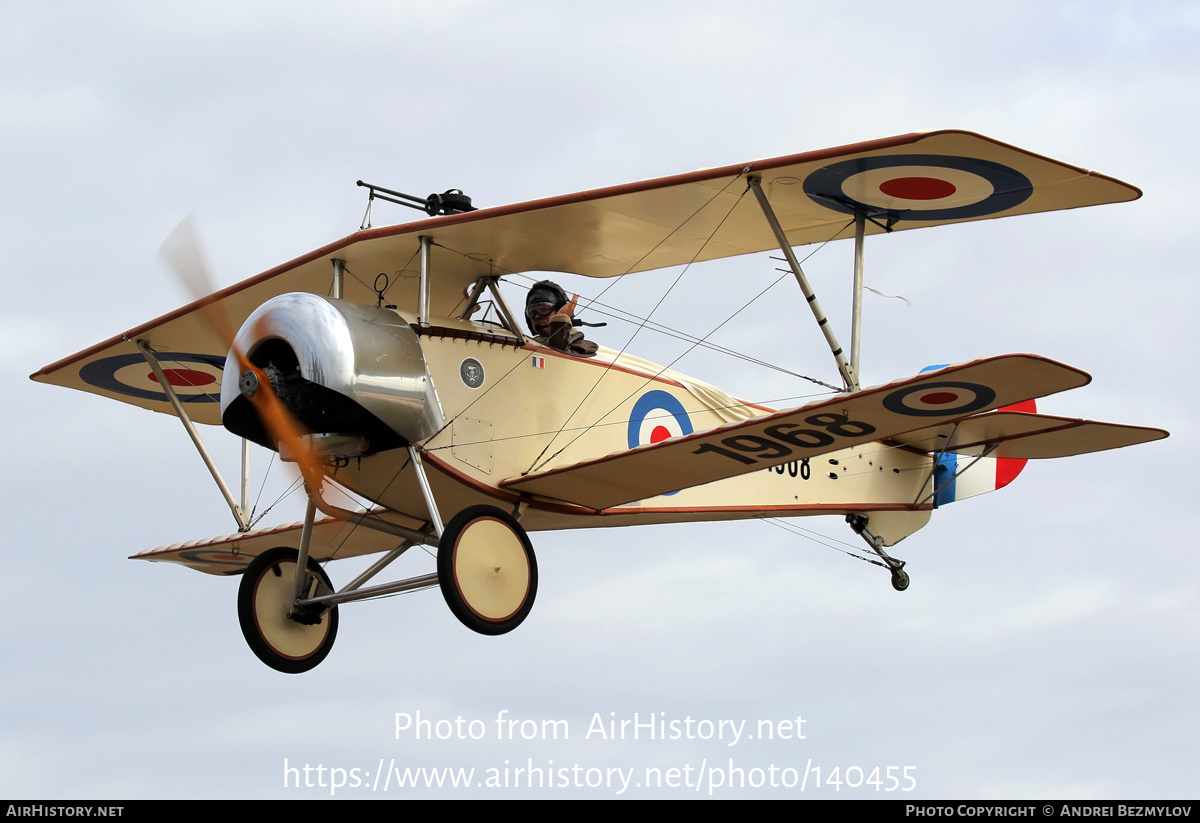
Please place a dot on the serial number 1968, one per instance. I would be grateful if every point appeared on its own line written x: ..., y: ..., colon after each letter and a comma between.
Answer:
x: 780, y: 438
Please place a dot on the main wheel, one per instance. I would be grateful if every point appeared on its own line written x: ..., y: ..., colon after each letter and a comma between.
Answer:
x: 264, y: 599
x: 486, y: 570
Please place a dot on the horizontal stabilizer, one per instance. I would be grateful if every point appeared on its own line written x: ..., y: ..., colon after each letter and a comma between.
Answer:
x: 843, y: 421
x: 1023, y: 436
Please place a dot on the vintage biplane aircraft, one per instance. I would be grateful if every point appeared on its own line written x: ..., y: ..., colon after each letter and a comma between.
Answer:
x: 465, y: 434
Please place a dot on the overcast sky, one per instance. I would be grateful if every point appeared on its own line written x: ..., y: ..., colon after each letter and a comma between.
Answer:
x: 1048, y: 644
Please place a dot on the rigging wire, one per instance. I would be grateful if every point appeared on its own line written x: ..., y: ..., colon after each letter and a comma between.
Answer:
x: 261, y: 487
x: 619, y: 314
x: 642, y: 325
x: 603, y: 291
x: 369, y: 512
x: 818, y: 538
x: 584, y: 428
x: 296, y: 484
x: 685, y: 353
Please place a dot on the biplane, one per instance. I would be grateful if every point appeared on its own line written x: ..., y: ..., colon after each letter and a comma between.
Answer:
x: 465, y: 434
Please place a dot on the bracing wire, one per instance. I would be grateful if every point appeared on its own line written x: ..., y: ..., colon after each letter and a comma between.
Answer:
x: 684, y: 354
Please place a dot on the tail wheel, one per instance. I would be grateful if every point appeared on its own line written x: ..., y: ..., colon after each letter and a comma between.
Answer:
x: 487, y: 570
x: 287, y: 644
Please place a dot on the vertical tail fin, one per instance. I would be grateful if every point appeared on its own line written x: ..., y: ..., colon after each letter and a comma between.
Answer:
x: 986, y: 475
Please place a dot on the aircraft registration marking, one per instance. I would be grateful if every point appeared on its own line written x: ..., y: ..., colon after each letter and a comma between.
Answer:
x: 775, y: 444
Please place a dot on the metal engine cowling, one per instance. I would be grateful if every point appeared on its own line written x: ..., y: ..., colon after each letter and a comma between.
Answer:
x: 343, y: 369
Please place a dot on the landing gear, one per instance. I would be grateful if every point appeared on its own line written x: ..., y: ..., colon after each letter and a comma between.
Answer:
x: 487, y: 570
x: 286, y: 639
x: 899, y: 575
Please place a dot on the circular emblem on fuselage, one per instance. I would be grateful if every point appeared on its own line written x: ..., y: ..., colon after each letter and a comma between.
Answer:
x: 657, y: 416
x: 471, y: 372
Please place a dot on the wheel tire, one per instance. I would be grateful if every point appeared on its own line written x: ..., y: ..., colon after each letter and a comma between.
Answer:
x: 264, y: 598
x: 486, y: 570
x: 899, y: 579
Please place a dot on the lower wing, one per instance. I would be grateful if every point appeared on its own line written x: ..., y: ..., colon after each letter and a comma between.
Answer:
x: 911, y: 404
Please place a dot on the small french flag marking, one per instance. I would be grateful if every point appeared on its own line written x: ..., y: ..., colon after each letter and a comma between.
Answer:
x: 537, y: 362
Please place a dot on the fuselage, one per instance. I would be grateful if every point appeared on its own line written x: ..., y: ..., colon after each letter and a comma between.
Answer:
x: 512, y: 408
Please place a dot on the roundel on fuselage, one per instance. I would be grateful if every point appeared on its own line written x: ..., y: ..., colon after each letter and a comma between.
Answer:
x: 656, y: 416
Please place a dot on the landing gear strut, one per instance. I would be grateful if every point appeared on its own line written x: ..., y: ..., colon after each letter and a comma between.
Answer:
x: 899, y: 576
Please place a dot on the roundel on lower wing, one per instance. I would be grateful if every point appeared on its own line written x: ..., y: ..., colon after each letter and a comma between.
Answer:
x: 196, y: 378
x: 918, y: 186
x: 939, y: 399
x: 656, y: 416
x: 217, y: 557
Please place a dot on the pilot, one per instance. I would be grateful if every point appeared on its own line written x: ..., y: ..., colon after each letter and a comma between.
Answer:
x: 551, y: 318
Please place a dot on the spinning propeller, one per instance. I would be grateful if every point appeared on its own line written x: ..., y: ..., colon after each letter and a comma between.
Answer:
x: 182, y: 254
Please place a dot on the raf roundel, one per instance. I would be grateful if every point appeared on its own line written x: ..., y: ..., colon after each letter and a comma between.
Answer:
x: 218, y: 557
x: 918, y: 187
x: 196, y: 378
x: 656, y: 416
x: 939, y: 399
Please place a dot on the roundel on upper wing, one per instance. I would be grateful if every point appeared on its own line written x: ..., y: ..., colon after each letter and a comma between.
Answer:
x: 656, y: 416
x: 196, y: 378
x: 918, y: 186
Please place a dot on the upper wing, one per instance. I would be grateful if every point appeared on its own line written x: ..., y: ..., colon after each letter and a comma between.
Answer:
x: 1024, y: 436
x: 831, y: 425
x: 903, y: 182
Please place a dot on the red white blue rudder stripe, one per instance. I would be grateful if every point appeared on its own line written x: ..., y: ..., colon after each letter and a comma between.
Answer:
x: 987, y: 473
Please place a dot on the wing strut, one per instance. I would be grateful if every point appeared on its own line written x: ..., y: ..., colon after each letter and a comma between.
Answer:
x: 849, y: 375
x: 339, y: 277
x: 423, y: 299
x: 239, y: 513
x: 491, y: 283
x: 860, y: 233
